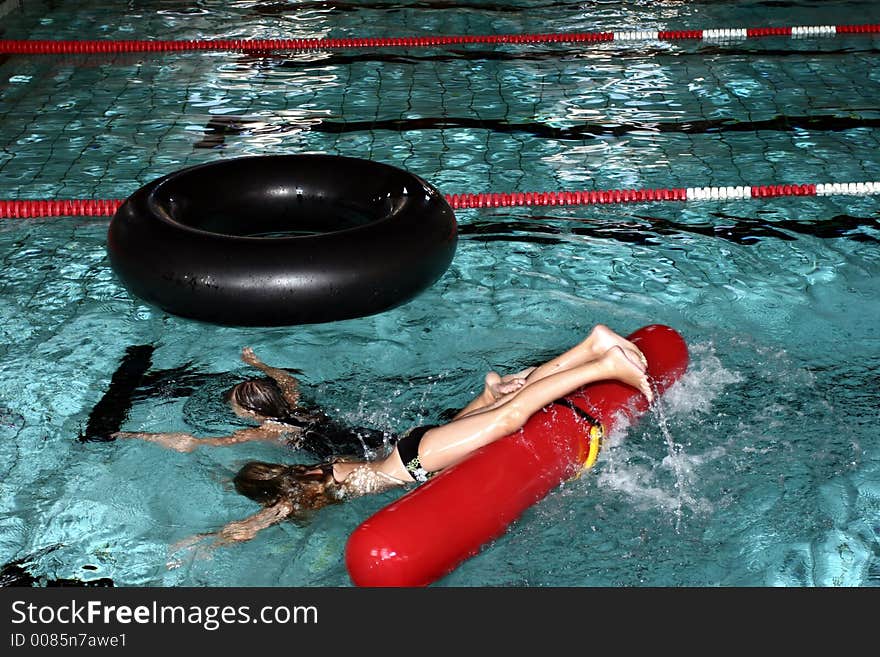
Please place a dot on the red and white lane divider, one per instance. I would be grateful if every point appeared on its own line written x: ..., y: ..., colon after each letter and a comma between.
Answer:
x: 55, y: 47
x: 20, y: 209
x: 740, y: 33
x: 467, y: 201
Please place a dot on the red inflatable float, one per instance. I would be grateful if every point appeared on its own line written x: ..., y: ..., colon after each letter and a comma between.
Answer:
x: 425, y: 534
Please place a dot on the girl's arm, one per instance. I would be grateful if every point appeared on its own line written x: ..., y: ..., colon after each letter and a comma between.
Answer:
x: 233, y: 532
x: 288, y: 384
x: 186, y: 442
x: 245, y: 530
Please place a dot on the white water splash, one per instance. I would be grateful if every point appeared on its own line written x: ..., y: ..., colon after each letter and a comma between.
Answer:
x: 627, y: 467
x: 705, y: 380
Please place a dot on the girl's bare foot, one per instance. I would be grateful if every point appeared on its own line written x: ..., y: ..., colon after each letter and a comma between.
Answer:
x: 497, y: 386
x: 624, y: 366
x: 522, y: 374
x: 493, y: 379
x: 602, y: 338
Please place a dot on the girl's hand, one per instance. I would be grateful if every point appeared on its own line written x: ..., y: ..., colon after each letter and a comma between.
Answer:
x: 236, y: 532
x: 249, y: 357
x: 189, y: 549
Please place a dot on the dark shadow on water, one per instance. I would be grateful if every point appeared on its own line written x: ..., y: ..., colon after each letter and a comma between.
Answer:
x: 17, y: 573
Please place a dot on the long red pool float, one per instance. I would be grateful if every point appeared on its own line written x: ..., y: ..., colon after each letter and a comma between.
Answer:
x: 425, y: 534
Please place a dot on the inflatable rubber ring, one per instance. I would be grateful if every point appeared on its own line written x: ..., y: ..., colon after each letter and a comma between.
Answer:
x: 282, y: 239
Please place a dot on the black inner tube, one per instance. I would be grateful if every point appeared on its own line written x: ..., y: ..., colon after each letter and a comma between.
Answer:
x: 286, y: 208
x: 280, y: 240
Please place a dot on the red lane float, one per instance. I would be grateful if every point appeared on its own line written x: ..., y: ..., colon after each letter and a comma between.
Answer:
x: 425, y: 534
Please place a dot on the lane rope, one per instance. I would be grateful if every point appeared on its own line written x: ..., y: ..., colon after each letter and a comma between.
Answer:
x: 24, y: 209
x: 53, y: 47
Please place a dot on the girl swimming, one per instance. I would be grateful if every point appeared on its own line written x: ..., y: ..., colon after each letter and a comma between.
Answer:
x: 275, y: 404
x: 506, y: 403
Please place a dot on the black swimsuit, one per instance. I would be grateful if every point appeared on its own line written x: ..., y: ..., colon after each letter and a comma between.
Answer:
x: 325, y: 437
x: 408, y: 449
x: 408, y: 445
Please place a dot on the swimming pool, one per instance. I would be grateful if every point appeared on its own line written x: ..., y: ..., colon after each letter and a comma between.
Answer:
x: 770, y: 473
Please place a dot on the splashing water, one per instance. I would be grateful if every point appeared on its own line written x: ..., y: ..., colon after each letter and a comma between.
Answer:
x: 692, y: 396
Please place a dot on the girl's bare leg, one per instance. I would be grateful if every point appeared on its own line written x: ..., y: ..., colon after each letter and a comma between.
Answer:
x: 600, y: 340
x: 603, y: 354
x: 448, y: 444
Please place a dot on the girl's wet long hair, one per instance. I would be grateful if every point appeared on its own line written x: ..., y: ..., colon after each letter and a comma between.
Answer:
x: 263, y: 397
x: 270, y: 483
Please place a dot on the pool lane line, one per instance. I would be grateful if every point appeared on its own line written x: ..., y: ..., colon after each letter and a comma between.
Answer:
x: 59, y: 46
x: 515, y: 199
x: 20, y: 209
x: 26, y: 209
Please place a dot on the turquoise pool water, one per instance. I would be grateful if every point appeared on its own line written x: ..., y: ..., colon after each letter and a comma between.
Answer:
x: 770, y: 471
